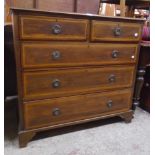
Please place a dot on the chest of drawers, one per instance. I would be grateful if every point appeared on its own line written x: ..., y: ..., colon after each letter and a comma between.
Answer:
x: 73, y: 68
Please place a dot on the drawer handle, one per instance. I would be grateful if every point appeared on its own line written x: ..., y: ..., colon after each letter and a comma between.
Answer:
x: 56, y: 83
x: 56, y: 112
x: 112, y: 78
x: 132, y: 57
x: 56, y: 55
x: 135, y: 35
x: 109, y: 104
x: 56, y: 29
x: 115, y: 54
x: 117, y: 31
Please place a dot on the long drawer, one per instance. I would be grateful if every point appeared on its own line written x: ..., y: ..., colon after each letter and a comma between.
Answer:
x: 115, y: 31
x: 67, y: 109
x: 45, y: 84
x: 52, y: 28
x: 36, y: 55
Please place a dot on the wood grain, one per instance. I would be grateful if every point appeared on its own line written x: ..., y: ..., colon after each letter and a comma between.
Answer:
x: 56, y: 5
x: 85, y: 6
x: 27, y: 4
x: 39, y: 113
x: 37, y: 55
x: 86, y: 82
x: 40, y: 28
x: 104, y: 31
x: 38, y: 85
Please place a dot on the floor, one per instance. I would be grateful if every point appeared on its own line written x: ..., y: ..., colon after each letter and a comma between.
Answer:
x: 104, y: 137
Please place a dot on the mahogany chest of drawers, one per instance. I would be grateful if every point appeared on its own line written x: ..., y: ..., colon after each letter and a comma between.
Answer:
x: 73, y: 68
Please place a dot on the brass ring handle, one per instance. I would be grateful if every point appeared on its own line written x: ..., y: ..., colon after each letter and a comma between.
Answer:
x: 109, y: 104
x: 117, y: 31
x: 56, y: 55
x: 56, y: 83
x: 56, y: 29
x: 115, y: 54
x: 56, y: 112
x: 112, y: 78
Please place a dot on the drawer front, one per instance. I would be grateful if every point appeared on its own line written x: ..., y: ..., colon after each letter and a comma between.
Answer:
x: 67, y: 109
x: 50, y: 28
x: 115, y: 31
x: 35, y: 55
x: 45, y: 84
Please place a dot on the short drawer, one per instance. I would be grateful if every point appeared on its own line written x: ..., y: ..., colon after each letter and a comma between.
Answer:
x: 45, y: 84
x: 63, y: 110
x: 36, y: 55
x: 115, y: 31
x: 50, y: 28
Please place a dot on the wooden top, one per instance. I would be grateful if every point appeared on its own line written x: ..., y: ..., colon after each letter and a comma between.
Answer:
x: 72, y: 14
